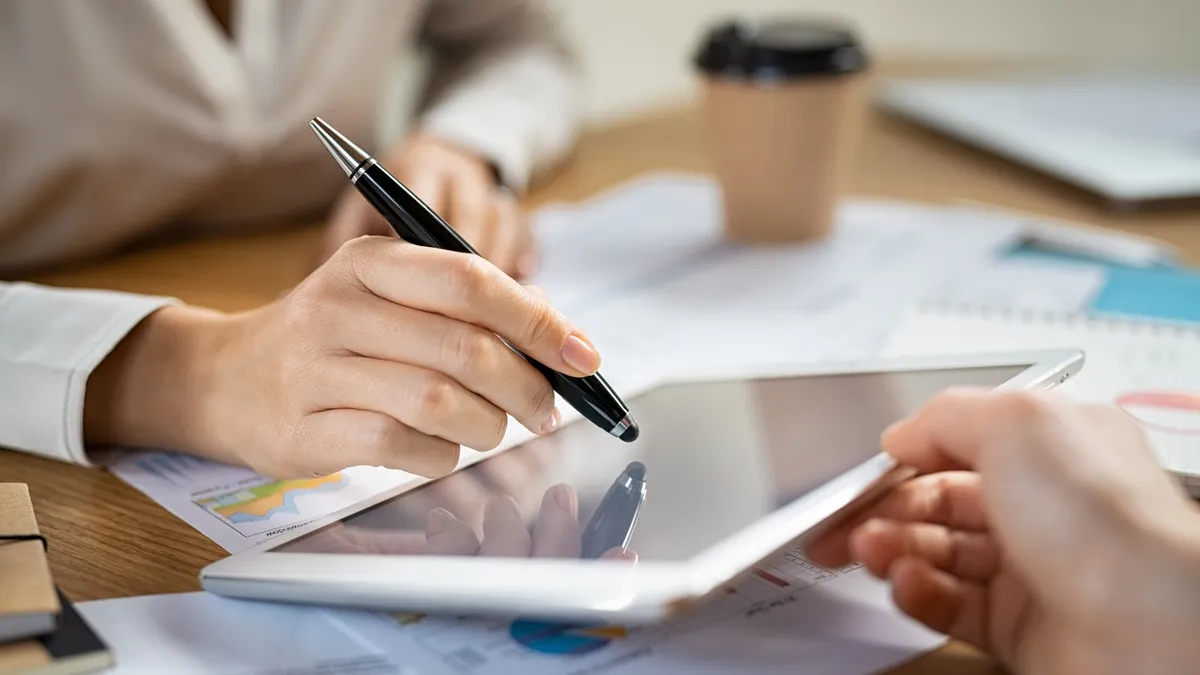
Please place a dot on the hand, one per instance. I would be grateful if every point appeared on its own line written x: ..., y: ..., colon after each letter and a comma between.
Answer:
x: 556, y: 533
x: 457, y: 185
x: 387, y: 355
x: 1041, y: 531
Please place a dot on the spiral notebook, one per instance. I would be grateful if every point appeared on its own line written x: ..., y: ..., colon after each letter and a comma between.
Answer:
x: 1151, y: 370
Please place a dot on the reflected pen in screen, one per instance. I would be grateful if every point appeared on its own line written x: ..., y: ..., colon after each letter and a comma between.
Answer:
x: 611, y: 526
x: 418, y: 224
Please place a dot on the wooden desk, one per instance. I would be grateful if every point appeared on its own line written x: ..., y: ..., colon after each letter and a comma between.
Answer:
x: 108, y: 540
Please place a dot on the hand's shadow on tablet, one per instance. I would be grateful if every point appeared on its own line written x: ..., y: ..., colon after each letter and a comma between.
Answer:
x: 556, y: 533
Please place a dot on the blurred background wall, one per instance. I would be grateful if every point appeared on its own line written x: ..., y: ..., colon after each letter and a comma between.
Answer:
x: 635, y: 53
x: 631, y: 66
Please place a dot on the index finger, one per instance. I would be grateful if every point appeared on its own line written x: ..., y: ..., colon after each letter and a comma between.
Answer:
x: 470, y: 289
x: 955, y: 427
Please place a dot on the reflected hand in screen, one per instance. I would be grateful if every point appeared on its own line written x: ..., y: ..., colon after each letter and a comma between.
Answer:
x: 556, y: 533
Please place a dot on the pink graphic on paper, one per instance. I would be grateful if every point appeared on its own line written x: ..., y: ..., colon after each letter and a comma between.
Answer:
x: 1173, y: 412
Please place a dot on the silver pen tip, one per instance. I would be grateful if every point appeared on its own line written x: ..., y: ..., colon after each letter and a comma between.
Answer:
x: 627, y: 429
x: 348, y: 155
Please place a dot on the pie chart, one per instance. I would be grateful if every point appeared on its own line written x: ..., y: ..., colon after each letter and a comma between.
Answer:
x: 563, y: 639
x: 1172, y: 412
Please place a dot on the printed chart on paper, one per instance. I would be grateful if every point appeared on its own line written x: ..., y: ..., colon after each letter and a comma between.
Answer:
x: 238, y: 508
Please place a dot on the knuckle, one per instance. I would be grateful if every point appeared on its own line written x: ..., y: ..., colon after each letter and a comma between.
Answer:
x: 296, y: 458
x: 940, y: 507
x: 355, y: 247
x: 472, y: 349
x: 346, y: 261
x: 356, y: 259
x: 379, y: 436
x: 435, y: 396
x: 307, y: 303
x: 318, y: 299
x: 468, y: 277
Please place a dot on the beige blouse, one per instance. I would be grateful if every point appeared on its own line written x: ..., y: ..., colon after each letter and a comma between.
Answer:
x: 123, y: 119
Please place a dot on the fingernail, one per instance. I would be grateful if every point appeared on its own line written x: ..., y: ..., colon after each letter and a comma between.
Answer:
x: 551, y: 422
x: 439, y: 521
x: 527, y: 265
x: 565, y: 498
x: 580, y: 354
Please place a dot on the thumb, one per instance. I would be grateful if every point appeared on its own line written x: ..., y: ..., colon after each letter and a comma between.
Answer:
x: 949, y: 432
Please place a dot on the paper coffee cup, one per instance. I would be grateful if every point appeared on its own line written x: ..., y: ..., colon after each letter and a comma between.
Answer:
x: 784, y: 103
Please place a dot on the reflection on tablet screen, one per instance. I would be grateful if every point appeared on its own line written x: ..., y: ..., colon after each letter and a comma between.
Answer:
x: 712, y: 459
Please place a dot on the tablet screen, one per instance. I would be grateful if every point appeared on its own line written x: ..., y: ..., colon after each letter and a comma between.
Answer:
x: 712, y: 459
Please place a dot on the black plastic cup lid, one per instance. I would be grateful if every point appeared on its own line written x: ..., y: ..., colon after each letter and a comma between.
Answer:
x: 780, y: 48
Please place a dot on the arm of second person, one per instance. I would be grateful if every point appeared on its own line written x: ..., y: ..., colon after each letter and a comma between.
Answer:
x: 504, y: 84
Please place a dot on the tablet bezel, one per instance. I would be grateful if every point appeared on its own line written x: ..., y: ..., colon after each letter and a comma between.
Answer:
x: 558, y: 589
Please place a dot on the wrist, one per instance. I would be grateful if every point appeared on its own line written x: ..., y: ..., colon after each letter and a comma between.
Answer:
x: 154, y: 388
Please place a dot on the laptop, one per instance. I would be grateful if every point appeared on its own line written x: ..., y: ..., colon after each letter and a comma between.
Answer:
x: 1131, y: 139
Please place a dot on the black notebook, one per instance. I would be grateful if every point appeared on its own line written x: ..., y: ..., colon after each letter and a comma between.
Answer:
x: 73, y: 648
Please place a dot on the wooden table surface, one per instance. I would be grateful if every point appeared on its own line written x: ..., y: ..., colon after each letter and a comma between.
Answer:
x: 107, y: 540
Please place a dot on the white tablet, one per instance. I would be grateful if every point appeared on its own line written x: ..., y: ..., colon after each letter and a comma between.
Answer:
x: 576, y: 526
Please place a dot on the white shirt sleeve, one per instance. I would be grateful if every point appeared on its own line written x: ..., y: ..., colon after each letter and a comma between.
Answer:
x: 51, y: 340
x: 504, y: 83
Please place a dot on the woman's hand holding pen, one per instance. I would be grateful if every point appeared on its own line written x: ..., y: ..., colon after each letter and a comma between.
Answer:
x: 387, y: 355
x: 458, y: 185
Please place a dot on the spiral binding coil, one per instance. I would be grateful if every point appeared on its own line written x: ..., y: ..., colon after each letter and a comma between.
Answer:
x: 1115, y: 323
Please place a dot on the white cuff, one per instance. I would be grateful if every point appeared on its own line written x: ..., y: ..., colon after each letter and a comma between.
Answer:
x: 519, y: 111
x: 51, y: 340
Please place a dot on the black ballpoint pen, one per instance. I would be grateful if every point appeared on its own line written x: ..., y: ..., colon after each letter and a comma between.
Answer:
x: 418, y: 224
x: 611, y: 526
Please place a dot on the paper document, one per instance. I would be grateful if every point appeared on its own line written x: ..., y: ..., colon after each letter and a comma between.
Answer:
x: 788, y: 616
x: 203, y: 634
x: 1022, y: 284
x: 644, y: 269
x: 238, y: 508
